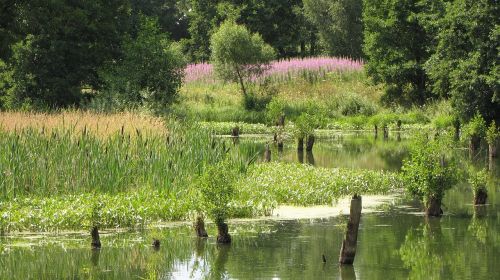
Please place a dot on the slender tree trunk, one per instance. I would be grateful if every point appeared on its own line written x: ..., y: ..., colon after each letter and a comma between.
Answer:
x: 223, y: 236
x: 492, y: 149
x: 474, y: 143
x: 348, y: 251
x: 300, y: 155
x: 386, y: 132
x: 310, y: 143
x: 300, y: 144
x: 240, y: 79
x: 267, y: 154
x: 96, y: 241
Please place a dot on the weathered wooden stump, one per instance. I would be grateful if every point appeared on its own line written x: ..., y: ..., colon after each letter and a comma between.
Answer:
x: 399, y: 123
x: 300, y: 156
x: 199, y: 227
x: 492, y: 150
x: 480, y: 197
x: 156, y: 244
x: 310, y: 143
x: 433, y: 207
x: 223, y: 236
x: 386, y: 132
x: 235, y: 132
x: 267, y: 154
x: 96, y: 241
x: 348, y: 250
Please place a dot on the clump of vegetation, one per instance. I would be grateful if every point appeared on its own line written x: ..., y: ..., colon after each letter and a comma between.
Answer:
x: 478, y: 181
x: 217, y: 191
x: 429, y: 172
x: 304, y: 129
x: 474, y: 131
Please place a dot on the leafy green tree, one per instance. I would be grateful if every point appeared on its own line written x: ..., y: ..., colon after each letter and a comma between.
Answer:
x: 150, y: 72
x: 339, y: 23
x: 465, y: 63
x: 428, y: 173
x: 238, y: 55
x: 398, y: 40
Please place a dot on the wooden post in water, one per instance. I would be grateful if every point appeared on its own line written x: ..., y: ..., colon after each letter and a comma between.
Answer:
x: 223, y: 236
x: 96, y: 241
x: 267, y: 154
x: 310, y: 143
x: 348, y: 250
x: 199, y: 227
x: 156, y: 244
x: 376, y: 131
x: 474, y: 143
x: 386, y: 131
x: 300, y: 144
x: 235, y: 132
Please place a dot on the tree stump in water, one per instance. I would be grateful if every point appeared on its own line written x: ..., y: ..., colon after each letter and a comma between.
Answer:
x: 223, y: 235
x: 267, y: 154
x: 310, y: 143
x: 310, y: 158
x: 398, y: 123
x: 492, y: 150
x: 280, y: 146
x: 386, y: 132
x: 156, y: 244
x: 235, y: 132
x: 300, y: 156
x: 376, y: 131
x: 199, y: 227
x: 348, y: 250
x: 433, y: 207
x: 96, y: 241
x: 480, y: 197
x: 300, y: 144
x: 474, y: 143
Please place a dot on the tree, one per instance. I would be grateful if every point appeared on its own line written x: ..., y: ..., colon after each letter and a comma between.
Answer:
x: 465, y: 63
x: 238, y: 55
x: 339, y: 23
x: 150, y: 72
x: 61, y: 45
x: 398, y: 41
x: 429, y: 173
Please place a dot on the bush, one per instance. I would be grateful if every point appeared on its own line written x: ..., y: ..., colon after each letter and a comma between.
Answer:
x: 478, y: 181
x: 476, y: 127
x: 493, y: 133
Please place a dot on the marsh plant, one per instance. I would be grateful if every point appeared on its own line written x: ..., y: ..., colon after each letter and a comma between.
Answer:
x: 429, y: 172
x: 217, y: 191
x: 478, y: 181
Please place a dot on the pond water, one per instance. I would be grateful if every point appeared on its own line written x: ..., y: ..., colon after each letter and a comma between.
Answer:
x: 395, y: 243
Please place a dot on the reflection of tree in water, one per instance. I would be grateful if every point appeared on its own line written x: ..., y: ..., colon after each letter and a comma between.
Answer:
x: 478, y: 226
x: 218, y: 267
x: 420, y: 251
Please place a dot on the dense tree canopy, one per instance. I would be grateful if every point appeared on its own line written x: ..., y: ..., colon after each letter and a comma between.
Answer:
x: 465, y: 63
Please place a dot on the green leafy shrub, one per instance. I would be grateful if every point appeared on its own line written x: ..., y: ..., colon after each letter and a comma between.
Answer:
x: 428, y: 173
x: 493, y: 133
x: 275, y: 110
x: 478, y: 180
x: 217, y: 190
x: 476, y: 127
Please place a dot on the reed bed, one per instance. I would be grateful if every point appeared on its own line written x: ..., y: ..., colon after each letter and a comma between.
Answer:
x: 100, y: 125
x: 68, y: 161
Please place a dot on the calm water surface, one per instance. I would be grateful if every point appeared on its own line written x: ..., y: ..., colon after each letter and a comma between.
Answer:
x: 396, y: 243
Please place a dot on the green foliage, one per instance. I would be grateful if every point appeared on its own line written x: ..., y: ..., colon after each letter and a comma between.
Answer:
x: 397, y: 43
x: 275, y: 110
x: 478, y: 180
x: 493, y: 133
x: 339, y: 25
x: 150, y: 72
x: 305, y: 125
x: 465, y: 63
x: 60, y: 47
x: 299, y: 184
x: 238, y: 55
x: 428, y: 173
x: 217, y: 189
x: 476, y: 127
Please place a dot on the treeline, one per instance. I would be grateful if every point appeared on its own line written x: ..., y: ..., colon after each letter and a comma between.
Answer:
x: 61, y: 53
